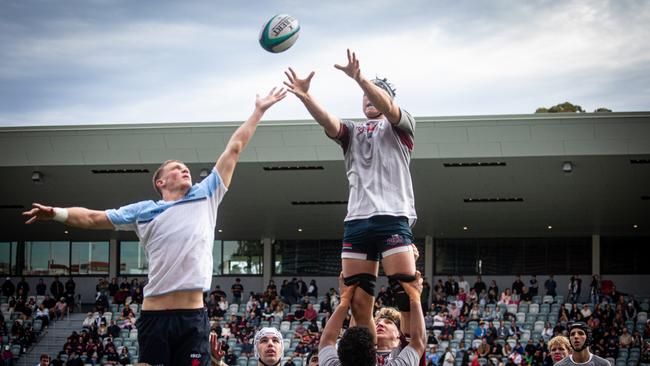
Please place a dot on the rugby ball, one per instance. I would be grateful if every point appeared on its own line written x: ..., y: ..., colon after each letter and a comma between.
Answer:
x: 279, y: 33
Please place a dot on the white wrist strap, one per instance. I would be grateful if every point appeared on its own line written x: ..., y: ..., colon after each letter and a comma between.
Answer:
x: 60, y: 214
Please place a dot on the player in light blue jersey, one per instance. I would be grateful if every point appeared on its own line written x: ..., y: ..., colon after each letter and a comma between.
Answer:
x: 177, y: 234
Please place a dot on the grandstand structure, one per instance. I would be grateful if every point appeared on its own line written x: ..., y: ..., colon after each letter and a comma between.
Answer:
x: 564, y: 179
x: 496, y: 196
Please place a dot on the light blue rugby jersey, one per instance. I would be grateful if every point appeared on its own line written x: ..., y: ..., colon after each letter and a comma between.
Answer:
x: 177, y: 236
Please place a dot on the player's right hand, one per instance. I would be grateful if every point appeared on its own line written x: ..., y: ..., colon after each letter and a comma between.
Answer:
x: 39, y: 212
x: 414, y: 288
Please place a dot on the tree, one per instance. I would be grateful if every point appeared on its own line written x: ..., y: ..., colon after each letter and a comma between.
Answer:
x: 565, y: 107
x: 601, y: 109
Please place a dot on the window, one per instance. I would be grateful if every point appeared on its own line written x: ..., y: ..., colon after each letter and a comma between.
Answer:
x: 47, y: 258
x: 7, y: 261
x: 315, y: 257
x: 241, y: 257
x: 622, y: 255
x: 133, y: 260
x: 89, y: 258
x: 511, y: 256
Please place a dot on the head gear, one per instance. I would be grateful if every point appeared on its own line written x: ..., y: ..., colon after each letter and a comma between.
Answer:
x: 267, y: 332
x: 585, y: 328
x: 384, y: 84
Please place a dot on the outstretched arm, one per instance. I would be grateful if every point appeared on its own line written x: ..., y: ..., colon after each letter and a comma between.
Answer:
x: 418, y: 331
x: 300, y: 88
x: 238, y: 141
x: 335, y: 322
x: 74, y: 216
x: 377, y: 96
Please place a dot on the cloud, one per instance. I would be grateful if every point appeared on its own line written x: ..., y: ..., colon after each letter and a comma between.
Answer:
x: 200, y: 61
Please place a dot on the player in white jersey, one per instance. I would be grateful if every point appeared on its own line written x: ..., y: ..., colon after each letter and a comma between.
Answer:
x: 381, y: 206
x: 177, y: 234
x: 580, y: 339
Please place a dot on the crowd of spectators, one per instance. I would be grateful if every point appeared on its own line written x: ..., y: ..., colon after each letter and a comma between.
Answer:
x: 484, y: 313
x: 26, y: 312
x: 492, y: 332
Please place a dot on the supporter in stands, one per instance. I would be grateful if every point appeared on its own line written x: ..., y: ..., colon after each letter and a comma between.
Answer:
x: 580, y: 339
x: 70, y: 291
x: 89, y: 321
x: 525, y: 297
x: 506, y: 297
x: 645, y: 352
x: 518, y: 285
x: 44, y: 360
x: 625, y: 340
x: 41, y: 288
x: 101, y: 302
x: 594, y: 289
x: 74, y: 360
x: 550, y: 286
x: 112, y: 357
x: 113, y: 330
x: 574, y: 313
x: 533, y: 285
x: 8, y: 288
x: 113, y: 287
x: 449, y: 358
x: 237, y: 289
x: 310, y: 313
x: 7, y: 357
x: 24, y: 286
x: 312, y: 289
x: 493, y: 292
x: 60, y: 308
x: 585, y: 312
x: 575, y: 286
x: 302, y: 287
x: 463, y: 284
x: 43, y: 314
x: 451, y: 286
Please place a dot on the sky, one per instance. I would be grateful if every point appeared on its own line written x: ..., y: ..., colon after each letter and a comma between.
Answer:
x: 80, y: 62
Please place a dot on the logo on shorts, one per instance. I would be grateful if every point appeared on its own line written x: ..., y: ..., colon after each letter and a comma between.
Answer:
x: 395, y: 239
x: 196, y: 359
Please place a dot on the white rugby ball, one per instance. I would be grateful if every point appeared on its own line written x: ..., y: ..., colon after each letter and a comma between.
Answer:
x: 279, y: 33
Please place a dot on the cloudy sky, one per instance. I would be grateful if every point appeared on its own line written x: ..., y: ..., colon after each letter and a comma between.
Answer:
x: 123, y: 61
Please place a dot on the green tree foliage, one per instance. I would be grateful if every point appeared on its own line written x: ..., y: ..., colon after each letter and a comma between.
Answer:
x: 565, y: 107
x: 601, y: 109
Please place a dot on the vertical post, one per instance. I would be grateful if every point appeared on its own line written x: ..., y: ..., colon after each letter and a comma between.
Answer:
x: 267, y: 260
x: 428, y: 259
x: 112, y: 258
x: 595, y: 254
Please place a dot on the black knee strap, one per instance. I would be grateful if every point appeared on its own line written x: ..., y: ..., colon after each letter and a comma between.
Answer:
x: 401, y: 297
x: 365, y: 281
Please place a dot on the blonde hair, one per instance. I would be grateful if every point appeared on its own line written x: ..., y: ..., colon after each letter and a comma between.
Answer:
x: 560, y: 341
x: 391, y: 314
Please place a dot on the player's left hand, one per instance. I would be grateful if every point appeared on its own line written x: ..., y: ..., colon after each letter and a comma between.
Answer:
x: 264, y: 103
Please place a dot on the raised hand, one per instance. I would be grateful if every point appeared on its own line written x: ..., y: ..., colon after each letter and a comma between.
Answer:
x: 352, y: 68
x: 416, y: 252
x: 346, y: 291
x: 297, y: 86
x: 39, y: 212
x: 263, y: 103
x: 215, y: 347
x: 414, y: 288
